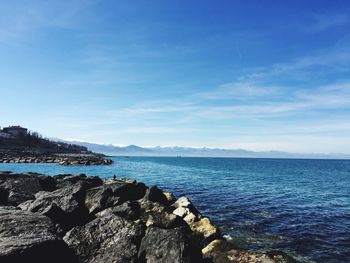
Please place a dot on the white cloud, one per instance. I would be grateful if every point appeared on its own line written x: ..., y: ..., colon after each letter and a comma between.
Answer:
x: 240, y: 90
x: 18, y: 20
x: 325, y: 22
x: 317, y: 65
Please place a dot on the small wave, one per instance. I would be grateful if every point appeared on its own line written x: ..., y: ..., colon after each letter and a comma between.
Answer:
x: 228, y: 237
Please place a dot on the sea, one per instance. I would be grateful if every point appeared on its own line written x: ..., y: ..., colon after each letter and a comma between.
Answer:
x: 301, y: 207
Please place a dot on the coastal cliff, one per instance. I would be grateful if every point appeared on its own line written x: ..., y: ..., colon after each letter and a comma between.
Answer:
x: 79, y: 218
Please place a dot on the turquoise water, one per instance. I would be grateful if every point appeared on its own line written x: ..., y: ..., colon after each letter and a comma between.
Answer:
x: 301, y: 207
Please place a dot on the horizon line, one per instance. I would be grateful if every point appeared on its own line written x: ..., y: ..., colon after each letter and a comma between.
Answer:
x: 205, y: 147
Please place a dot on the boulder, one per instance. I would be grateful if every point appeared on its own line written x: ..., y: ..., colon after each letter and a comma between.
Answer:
x: 112, y: 194
x: 170, y: 197
x: 205, y: 230
x: 222, y: 251
x: 109, y: 238
x: 190, y: 218
x: 155, y: 214
x: 127, y: 191
x: 183, y: 202
x: 4, y: 194
x: 87, y: 182
x: 181, y: 211
x: 120, y: 180
x: 129, y: 210
x: 184, y: 206
x: 154, y: 194
x: 48, y: 183
x: 17, y: 188
x: 64, y: 206
x: 96, y: 198
x: 168, y: 245
x: 29, y: 237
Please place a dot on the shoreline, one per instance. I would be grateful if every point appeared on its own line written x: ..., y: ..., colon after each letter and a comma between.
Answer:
x: 75, y: 202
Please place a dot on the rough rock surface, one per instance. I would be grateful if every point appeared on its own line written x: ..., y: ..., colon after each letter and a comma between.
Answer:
x: 204, y: 231
x: 168, y: 245
x: 129, y: 210
x: 155, y: 214
x: 64, y: 205
x: 154, y: 194
x: 205, y: 228
x: 79, y: 218
x: 96, y: 198
x: 64, y: 180
x: 17, y: 188
x: 29, y: 237
x: 221, y: 251
x: 170, y: 197
x: 106, y: 239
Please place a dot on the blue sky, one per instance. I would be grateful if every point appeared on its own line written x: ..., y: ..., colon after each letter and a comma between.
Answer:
x: 258, y: 75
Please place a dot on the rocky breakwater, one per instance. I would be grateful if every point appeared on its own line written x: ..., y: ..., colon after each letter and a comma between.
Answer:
x: 62, y: 159
x: 78, y: 218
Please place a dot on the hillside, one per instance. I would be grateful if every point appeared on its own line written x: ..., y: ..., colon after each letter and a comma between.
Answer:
x: 18, y: 145
x: 33, y: 142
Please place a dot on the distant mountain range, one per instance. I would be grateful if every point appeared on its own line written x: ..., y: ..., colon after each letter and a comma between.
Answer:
x: 134, y: 150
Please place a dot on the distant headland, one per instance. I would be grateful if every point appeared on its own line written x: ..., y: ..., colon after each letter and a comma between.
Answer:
x: 19, y: 145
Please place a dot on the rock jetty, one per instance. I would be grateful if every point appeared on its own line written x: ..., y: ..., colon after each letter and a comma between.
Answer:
x: 62, y: 159
x: 79, y: 218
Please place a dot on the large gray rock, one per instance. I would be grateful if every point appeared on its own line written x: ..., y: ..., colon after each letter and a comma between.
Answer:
x: 168, y: 245
x: 64, y: 180
x: 29, y: 237
x: 106, y: 239
x: 156, y: 214
x: 112, y: 193
x: 48, y: 183
x: 4, y: 195
x: 129, y: 210
x: 17, y: 188
x: 127, y: 190
x: 64, y: 206
x: 154, y: 194
x: 222, y: 251
x: 98, y: 198
x: 204, y: 231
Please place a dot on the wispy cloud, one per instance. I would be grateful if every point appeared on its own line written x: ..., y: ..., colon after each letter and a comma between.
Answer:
x: 240, y: 90
x: 320, y: 63
x: 258, y: 94
x: 18, y: 20
x: 326, y: 21
x: 299, y: 102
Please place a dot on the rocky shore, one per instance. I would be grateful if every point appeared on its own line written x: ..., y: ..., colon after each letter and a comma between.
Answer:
x: 79, y: 218
x: 62, y: 159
